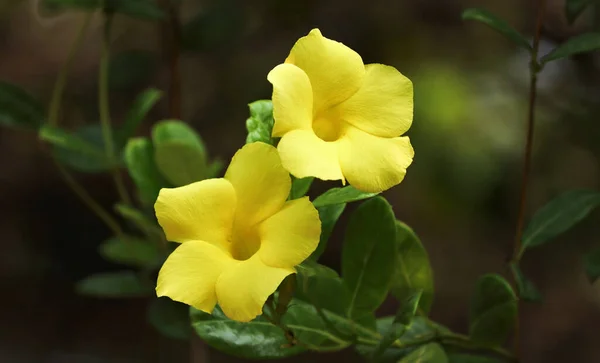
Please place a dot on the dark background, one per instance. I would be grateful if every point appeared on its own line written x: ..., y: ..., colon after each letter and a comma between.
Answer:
x: 460, y: 195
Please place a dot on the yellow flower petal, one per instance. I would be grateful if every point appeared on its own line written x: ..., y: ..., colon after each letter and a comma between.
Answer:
x: 261, y: 183
x: 243, y: 290
x: 190, y: 273
x: 292, y: 99
x: 203, y: 211
x: 383, y: 106
x: 335, y: 71
x: 304, y: 154
x: 372, y: 163
x: 291, y: 235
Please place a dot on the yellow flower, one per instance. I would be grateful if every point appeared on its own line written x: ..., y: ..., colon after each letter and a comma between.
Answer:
x: 239, y: 236
x: 339, y: 119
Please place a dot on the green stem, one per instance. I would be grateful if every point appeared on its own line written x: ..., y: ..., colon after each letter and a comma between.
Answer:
x: 61, y: 81
x: 105, y: 110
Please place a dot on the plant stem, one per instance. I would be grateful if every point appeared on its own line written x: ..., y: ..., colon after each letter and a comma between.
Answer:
x: 105, y: 110
x: 61, y: 81
x: 534, y: 69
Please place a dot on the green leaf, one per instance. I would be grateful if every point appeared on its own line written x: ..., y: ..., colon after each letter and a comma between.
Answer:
x: 403, y: 317
x: 19, y: 109
x: 558, y: 216
x: 412, y: 269
x: 469, y: 358
x: 499, y: 25
x: 132, y: 251
x: 300, y: 187
x: 131, y: 68
x: 527, y: 290
x: 341, y: 195
x: 139, y: 219
x: 170, y: 318
x: 579, y: 44
x: 141, y: 9
x: 493, y: 311
x: 125, y: 284
x: 574, y: 8
x: 259, y: 339
x: 329, y: 216
x: 428, y: 353
x: 137, y: 113
x: 214, y: 26
x: 139, y: 158
x: 215, y: 168
x: 591, y: 262
x: 368, y: 256
x: 179, y: 152
x: 322, y: 287
x: 260, y: 123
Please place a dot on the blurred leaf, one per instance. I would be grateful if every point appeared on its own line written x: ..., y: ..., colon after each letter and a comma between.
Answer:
x: 300, y: 187
x: 403, y: 317
x: 170, y: 318
x: 323, y: 288
x: 493, y: 311
x: 260, y: 123
x: 179, y: 152
x: 329, y: 216
x: 132, y: 251
x: 574, y: 8
x: 312, y: 268
x: 579, y: 44
x: 214, y: 26
x: 341, y: 195
x: 125, y: 284
x: 215, y: 168
x: 368, y: 256
x: 499, y: 25
x: 558, y: 216
x: 141, y: 9
x: 427, y: 353
x: 527, y: 290
x: 19, y: 109
x: 259, y: 339
x: 131, y: 68
x: 412, y: 269
x: 136, y: 115
x: 139, y: 158
x: 469, y: 358
x: 592, y: 264
x: 139, y: 219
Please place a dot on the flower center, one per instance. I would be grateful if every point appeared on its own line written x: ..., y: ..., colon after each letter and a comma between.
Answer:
x: 245, y: 243
x: 328, y: 128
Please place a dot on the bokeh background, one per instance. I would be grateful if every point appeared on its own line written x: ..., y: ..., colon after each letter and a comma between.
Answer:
x: 460, y: 195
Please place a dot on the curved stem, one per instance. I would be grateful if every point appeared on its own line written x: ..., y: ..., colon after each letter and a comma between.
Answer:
x: 535, y: 68
x: 61, y: 81
x: 105, y: 110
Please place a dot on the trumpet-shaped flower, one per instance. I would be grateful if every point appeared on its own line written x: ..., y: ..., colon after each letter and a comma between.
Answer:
x: 239, y: 235
x: 339, y: 119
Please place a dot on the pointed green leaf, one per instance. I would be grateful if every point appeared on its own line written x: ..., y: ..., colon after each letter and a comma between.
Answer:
x: 493, y: 311
x: 215, y: 168
x: 558, y: 216
x: 132, y: 251
x: 179, y: 153
x: 412, y: 270
x: 139, y: 219
x: 139, y: 158
x: 329, y: 216
x: 341, y: 195
x: 428, y: 353
x: 574, y: 8
x: 583, y: 43
x: 368, y: 256
x: 300, y: 187
x: 527, y: 290
x: 170, y: 318
x: 498, y: 24
x: 260, y: 123
x: 125, y: 284
x: 19, y: 109
x: 592, y: 264
x: 140, y: 108
x: 322, y: 287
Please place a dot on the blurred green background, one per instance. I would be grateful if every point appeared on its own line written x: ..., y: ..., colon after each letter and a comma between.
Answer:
x: 460, y: 195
